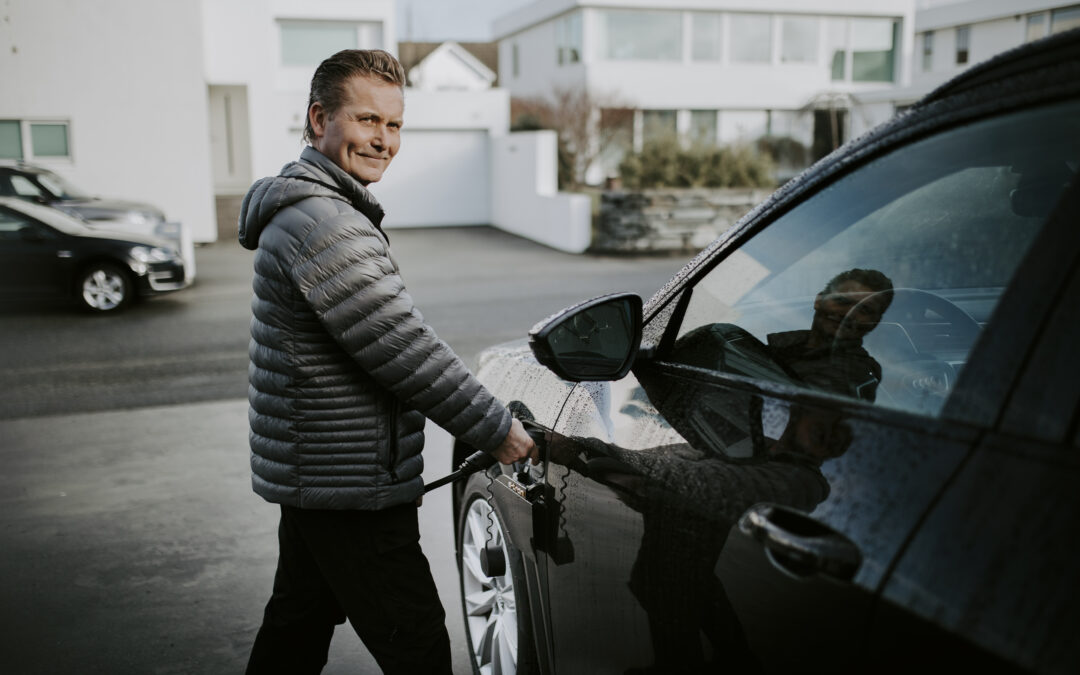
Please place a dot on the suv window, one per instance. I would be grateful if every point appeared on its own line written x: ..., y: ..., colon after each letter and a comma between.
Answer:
x: 24, y: 187
x: 877, y: 287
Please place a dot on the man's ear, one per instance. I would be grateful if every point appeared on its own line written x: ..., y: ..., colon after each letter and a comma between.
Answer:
x: 817, y: 302
x: 318, y: 118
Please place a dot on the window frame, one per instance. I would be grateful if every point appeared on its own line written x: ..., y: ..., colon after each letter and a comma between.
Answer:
x: 358, y: 27
x: 963, y: 45
x: 26, y: 140
x: 604, y: 52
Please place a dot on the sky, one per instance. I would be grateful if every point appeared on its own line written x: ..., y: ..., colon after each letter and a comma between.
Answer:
x: 460, y: 20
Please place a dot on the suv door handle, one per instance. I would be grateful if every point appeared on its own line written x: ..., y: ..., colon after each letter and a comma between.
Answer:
x: 799, y: 545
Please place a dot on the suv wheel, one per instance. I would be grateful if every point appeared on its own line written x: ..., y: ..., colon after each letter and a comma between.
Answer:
x: 104, y: 287
x: 494, y: 598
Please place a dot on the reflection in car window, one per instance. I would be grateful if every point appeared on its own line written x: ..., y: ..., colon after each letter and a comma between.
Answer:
x: 877, y: 287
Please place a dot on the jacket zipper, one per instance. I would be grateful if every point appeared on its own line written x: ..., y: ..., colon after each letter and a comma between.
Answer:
x: 392, y: 459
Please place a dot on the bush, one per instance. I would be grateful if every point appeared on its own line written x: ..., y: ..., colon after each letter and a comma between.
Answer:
x: 664, y: 164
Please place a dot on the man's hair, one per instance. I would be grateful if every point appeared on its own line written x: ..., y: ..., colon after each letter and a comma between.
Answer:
x: 328, y: 83
x: 872, y: 279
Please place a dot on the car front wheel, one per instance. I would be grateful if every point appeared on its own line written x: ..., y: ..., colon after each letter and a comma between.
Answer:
x: 492, y: 589
x: 104, y: 287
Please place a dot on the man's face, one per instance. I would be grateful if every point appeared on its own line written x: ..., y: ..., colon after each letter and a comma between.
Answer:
x: 364, y: 134
x: 831, y: 309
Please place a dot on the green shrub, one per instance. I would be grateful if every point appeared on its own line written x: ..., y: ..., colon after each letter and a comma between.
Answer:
x: 665, y: 164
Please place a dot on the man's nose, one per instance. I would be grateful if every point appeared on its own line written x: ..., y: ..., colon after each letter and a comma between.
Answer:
x: 378, y: 139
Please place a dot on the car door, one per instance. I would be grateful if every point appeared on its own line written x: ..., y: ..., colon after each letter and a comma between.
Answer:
x: 990, y: 577
x: 29, y: 262
x: 739, y: 501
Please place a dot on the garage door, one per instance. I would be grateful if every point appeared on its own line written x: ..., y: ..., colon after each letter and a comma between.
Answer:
x: 438, y: 178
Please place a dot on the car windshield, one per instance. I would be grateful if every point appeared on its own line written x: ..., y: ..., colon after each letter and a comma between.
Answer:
x: 51, y: 217
x: 60, y: 187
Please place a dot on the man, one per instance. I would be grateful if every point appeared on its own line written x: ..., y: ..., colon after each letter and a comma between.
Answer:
x: 830, y: 355
x: 343, y: 371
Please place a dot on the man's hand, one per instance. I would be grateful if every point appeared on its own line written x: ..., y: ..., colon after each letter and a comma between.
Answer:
x: 517, y: 446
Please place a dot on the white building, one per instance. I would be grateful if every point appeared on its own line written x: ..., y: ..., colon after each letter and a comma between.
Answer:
x: 952, y: 35
x: 184, y: 104
x: 258, y: 89
x: 711, y: 70
x: 111, y: 95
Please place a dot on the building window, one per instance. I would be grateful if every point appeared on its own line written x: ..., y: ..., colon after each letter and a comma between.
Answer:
x: 707, y: 31
x: 658, y: 126
x: 11, y: 139
x: 308, y: 43
x: 873, y: 49
x: 49, y: 139
x: 751, y: 38
x: 647, y: 36
x: 23, y: 139
x: 963, y: 39
x: 928, y: 51
x: 568, y: 39
x: 1064, y: 19
x: 1036, y: 27
x: 703, y: 127
x: 836, y: 47
x: 798, y: 40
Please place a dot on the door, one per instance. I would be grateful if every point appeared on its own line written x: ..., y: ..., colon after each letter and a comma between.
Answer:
x: 995, y: 562
x: 452, y: 170
x: 32, y: 265
x: 739, y: 502
x: 230, y: 144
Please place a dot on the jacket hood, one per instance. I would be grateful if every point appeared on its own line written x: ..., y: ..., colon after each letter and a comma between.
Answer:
x: 313, y: 175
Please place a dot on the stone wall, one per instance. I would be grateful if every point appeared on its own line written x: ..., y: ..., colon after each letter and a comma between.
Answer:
x: 668, y: 220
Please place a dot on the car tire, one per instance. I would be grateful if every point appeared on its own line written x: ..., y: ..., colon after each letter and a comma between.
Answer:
x: 104, y: 287
x: 498, y: 626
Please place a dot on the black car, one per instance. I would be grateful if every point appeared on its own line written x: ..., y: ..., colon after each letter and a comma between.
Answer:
x: 47, y: 254
x: 38, y: 184
x: 844, y: 438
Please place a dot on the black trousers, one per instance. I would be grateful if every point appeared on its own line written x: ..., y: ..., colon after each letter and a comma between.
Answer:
x: 366, y: 566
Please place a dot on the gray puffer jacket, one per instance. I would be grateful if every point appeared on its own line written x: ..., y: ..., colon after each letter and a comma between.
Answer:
x: 343, y: 368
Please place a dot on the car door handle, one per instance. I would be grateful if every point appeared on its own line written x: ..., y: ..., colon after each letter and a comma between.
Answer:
x: 800, y: 545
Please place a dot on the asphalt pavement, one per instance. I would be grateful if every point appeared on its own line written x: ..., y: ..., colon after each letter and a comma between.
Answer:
x: 132, y: 543
x: 130, y: 539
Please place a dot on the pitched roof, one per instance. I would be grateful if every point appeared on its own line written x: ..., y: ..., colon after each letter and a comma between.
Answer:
x: 412, y: 53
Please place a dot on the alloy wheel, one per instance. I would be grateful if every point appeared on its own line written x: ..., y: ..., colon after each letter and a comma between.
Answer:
x: 104, y: 289
x: 490, y: 604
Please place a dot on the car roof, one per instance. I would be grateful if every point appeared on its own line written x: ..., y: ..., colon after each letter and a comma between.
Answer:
x: 20, y: 165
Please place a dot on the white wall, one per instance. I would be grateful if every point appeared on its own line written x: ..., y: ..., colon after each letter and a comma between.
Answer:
x: 526, y: 201
x: 277, y: 94
x: 126, y: 75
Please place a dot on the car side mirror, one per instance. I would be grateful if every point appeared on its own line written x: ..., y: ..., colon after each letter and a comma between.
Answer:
x: 593, y: 340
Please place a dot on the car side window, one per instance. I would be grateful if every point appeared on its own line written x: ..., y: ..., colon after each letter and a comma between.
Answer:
x: 877, y: 287
x: 24, y: 187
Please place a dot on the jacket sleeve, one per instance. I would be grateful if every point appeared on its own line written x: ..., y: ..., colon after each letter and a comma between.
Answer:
x: 344, y: 271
